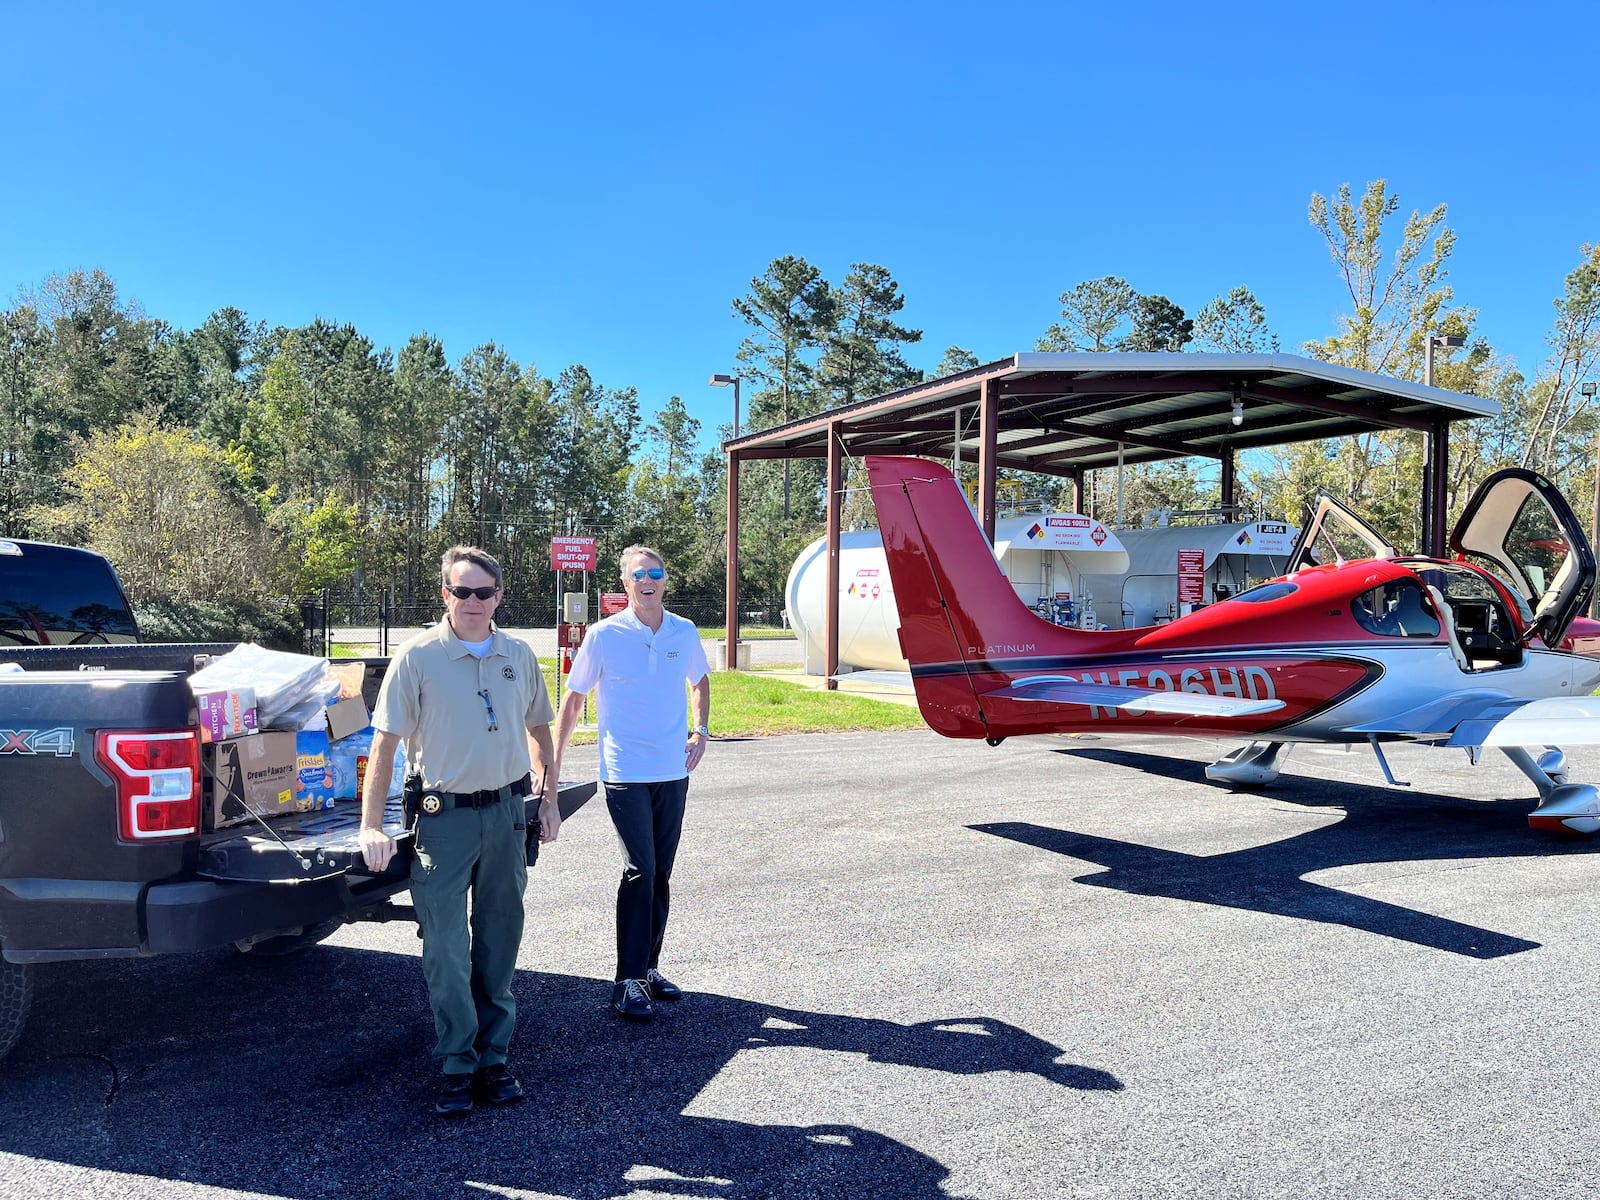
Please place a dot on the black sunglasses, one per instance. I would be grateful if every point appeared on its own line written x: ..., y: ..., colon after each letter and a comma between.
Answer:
x: 461, y: 591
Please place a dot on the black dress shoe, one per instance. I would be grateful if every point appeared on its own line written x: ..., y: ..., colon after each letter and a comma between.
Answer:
x: 630, y: 998
x: 661, y: 988
x: 455, y: 1096
x: 496, y: 1085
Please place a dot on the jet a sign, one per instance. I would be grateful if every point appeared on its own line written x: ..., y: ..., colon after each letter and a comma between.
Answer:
x: 1264, y: 537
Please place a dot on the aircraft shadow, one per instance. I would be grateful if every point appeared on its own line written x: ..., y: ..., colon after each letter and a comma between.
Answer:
x: 310, y: 1077
x: 1380, y: 825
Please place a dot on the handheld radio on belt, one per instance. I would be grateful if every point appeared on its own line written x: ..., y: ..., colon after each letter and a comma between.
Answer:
x: 411, y: 800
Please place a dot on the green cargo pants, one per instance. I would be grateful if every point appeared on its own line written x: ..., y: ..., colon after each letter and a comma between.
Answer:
x: 469, y: 966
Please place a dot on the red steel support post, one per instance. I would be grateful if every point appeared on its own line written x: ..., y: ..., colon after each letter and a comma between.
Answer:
x: 831, y: 596
x: 731, y: 645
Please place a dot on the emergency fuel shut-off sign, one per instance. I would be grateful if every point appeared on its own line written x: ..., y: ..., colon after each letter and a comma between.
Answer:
x: 573, y: 554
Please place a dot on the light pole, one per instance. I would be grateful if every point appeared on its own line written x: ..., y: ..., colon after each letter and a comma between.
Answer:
x: 1445, y: 340
x: 724, y: 381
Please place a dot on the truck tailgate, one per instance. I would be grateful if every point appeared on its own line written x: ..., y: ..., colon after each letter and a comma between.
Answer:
x: 320, y: 845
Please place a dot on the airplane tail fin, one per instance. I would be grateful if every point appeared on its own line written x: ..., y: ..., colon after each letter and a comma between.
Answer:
x: 959, y: 616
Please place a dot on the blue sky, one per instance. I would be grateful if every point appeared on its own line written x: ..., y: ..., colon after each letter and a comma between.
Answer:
x: 595, y: 184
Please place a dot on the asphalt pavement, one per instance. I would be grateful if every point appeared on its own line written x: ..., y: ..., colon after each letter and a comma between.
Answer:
x: 1063, y: 967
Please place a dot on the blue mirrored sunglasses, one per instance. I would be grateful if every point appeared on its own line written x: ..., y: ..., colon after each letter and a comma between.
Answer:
x: 652, y: 572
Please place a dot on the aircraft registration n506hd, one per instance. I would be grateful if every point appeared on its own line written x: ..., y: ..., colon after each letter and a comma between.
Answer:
x: 1355, y: 644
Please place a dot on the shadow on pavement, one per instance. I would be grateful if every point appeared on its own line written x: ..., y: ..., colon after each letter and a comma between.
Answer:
x: 310, y: 1077
x: 1380, y: 825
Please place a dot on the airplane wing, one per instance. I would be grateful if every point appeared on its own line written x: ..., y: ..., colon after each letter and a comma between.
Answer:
x: 1057, y: 690
x: 1554, y: 721
x: 1491, y: 718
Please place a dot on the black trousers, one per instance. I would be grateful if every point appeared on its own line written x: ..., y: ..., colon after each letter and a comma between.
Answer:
x: 649, y: 820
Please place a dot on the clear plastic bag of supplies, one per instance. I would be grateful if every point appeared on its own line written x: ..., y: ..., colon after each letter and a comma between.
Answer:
x: 397, y: 777
x: 291, y: 689
x: 349, y: 757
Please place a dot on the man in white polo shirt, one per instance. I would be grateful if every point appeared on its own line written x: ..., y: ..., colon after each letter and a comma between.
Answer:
x: 640, y: 660
x: 472, y: 708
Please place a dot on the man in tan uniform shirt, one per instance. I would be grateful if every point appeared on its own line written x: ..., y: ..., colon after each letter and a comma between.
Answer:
x: 471, y: 706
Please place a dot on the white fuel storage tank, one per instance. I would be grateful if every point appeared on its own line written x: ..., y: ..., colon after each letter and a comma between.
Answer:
x: 1045, y: 556
x: 1235, y: 557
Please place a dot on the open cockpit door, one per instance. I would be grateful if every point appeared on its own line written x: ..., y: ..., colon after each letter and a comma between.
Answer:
x: 1333, y: 533
x: 1518, y: 526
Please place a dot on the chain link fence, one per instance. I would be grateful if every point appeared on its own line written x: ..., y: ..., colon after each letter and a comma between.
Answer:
x: 378, y: 626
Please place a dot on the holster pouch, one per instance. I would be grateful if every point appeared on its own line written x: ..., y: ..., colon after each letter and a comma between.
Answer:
x: 411, y: 800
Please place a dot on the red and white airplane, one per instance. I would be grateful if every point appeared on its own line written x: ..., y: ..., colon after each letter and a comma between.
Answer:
x: 1356, y: 644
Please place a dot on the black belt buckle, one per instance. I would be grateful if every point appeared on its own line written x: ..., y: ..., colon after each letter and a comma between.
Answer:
x: 514, y: 790
x: 482, y: 798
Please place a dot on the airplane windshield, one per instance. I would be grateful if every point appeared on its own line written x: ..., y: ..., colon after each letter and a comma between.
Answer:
x: 1267, y: 591
x: 1460, y: 582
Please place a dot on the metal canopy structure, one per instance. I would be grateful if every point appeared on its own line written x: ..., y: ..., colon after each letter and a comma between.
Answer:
x: 1064, y: 414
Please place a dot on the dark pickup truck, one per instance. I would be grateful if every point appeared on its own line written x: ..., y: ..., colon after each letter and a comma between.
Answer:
x: 105, y: 848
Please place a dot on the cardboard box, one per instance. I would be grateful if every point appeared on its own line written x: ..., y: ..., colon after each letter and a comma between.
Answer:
x: 351, y: 676
x: 252, y: 774
x: 226, y: 714
x: 347, y: 717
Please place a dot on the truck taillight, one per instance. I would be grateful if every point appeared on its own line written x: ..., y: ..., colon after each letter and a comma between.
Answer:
x: 158, y: 781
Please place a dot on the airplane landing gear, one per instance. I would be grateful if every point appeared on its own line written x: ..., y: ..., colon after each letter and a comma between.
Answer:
x: 1570, y: 808
x: 1255, y: 765
x: 1553, y: 763
x: 1563, y: 807
x: 1548, y: 773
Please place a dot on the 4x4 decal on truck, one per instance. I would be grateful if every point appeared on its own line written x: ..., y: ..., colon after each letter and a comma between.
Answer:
x: 56, y: 741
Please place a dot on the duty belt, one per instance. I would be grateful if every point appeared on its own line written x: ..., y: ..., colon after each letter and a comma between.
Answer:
x: 436, y: 801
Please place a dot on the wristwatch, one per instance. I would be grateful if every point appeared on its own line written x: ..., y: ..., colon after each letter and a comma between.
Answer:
x: 702, y: 731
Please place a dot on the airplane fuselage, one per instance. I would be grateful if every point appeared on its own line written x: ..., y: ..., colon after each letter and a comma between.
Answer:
x: 1328, y: 693
x: 1321, y: 644
x: 1484, y: 649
